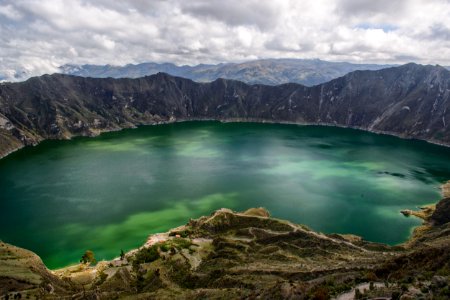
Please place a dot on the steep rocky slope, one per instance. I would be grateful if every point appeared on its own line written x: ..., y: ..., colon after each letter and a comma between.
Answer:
x: 230, y: 255
x: 263, y: 71
x: 411, y: 101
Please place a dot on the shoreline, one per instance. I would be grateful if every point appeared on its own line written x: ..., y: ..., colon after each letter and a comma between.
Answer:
x: 423, y: 214
x: 216, y: 247
x: 254, y: 121
x: 98, y: 132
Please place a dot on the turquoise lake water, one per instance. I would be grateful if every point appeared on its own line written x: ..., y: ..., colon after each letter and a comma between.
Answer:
x: 109, y: 193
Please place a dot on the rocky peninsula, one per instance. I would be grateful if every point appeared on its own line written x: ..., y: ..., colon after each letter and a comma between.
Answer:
x: 250, y: 255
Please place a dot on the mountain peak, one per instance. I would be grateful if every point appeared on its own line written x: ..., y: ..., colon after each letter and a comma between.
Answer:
x: 264, y: 71
x: 410, y: 101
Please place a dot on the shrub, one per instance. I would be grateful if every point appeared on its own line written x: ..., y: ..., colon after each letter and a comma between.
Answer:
x: 88, y: 257
x: 146, y: 255
x: 321, y: 293
x: 165, y: 247
x: 181, y: 243
x: 395, y: 295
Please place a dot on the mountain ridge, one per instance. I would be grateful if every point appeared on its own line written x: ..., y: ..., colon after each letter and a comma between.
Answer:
x: 229, y: 254
x: 262, y: 71
x: 410, y: 101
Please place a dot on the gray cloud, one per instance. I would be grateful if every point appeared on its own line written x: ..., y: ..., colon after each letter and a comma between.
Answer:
x: 38, y: 36
x: 437, y: 32
x: 263, y: 14
x: 367, y: 8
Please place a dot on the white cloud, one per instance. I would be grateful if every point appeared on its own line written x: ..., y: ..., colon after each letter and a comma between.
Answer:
x: 10, y: 12
x: 39, y: 35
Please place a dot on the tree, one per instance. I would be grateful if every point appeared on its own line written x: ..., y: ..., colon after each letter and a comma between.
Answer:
x: 88, y: 257
x: 122, y: 255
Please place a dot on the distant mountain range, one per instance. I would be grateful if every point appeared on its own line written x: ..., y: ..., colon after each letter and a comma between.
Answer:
x: 411, y: 101
x: 308, y: 72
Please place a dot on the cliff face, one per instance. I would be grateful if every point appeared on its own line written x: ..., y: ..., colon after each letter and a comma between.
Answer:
x: 411, y: 101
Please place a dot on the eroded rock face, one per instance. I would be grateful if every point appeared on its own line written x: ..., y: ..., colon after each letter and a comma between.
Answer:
x: 410, y: 101
x: 22, y: 272
x: 442, y: 213
x: 445, y: 188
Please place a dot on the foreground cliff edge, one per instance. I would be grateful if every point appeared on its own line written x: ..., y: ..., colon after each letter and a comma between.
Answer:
x: 247, y: 255
x: 410, y: 101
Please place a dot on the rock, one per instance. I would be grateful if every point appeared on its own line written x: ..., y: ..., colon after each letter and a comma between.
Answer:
x: 445, y: 188
x: 406, y: 212
x: 368, y: 100
x: 23, y: 271
x: 231, y: 255
x: 5, y: 123
x: 441, y: 215
x: 439, y: 281
x: 258, y: 212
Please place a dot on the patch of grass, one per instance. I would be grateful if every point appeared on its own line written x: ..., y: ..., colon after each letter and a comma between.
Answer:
x: 175, y: 244
x: 149, y: 281
x: 165, y: 247
x: 444, y: 271
x: 182, y: 243
x: 180, y: 273
x: 146, y: 255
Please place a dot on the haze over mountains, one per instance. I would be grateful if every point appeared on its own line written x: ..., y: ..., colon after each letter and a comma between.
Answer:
x: 264, y: 71
x: 411, y: 101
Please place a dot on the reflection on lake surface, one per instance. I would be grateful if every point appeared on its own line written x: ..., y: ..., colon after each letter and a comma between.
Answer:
x: 108, y: 193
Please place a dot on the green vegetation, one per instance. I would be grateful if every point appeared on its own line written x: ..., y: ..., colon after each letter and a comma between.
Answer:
x: 149, y: 281
x: 88, y: 258
x: 180, y: 243
x: 241, y: 256
x: 179, y: 272
x: 146, y: 255
x: 150, y: 254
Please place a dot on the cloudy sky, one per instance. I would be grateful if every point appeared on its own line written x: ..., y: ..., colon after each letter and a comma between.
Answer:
x: 37, y: 36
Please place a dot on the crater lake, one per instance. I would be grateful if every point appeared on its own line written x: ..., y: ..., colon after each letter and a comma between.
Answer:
x: 110, y: 192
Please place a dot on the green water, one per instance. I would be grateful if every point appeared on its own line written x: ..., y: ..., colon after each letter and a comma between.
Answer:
x: 108, y: 193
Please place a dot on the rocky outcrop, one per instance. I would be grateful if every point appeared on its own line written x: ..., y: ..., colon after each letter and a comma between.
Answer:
x: 23, y: 275
x: 411, y: 101
x: 442, y: 214
x: 242, y: 255
x: 445, y: 189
